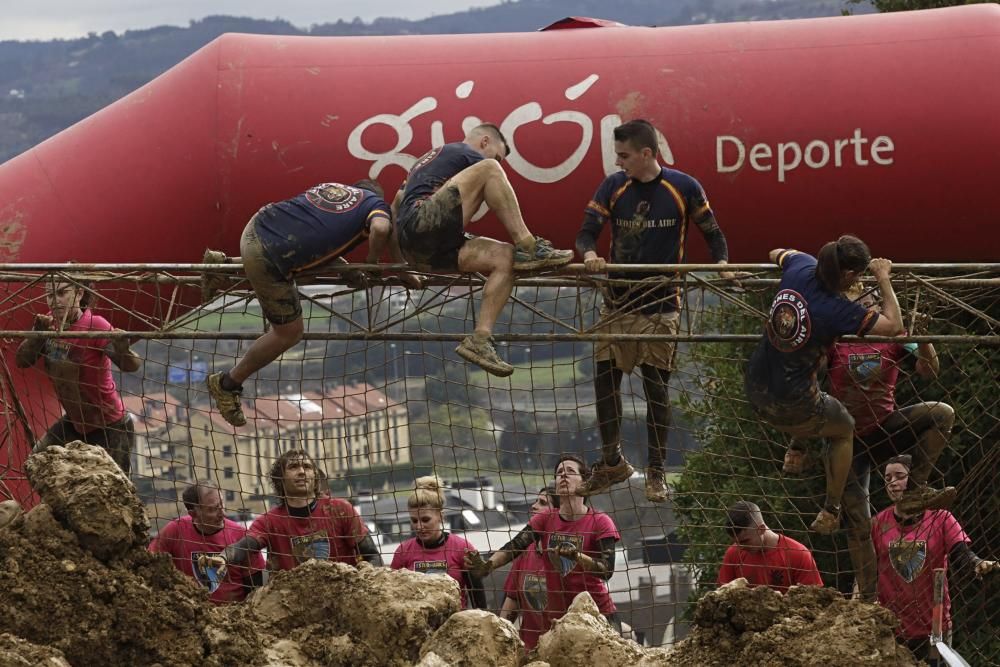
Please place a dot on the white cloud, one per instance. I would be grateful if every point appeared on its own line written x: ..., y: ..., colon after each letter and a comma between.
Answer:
x: 51, y: 19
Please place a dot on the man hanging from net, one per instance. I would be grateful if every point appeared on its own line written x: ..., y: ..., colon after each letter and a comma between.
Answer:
x: 284, y: 238
x: 649, y: 208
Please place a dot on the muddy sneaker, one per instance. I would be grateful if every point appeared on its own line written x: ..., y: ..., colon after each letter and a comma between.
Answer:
x: 924, y: 497
x: 480, y: 351
x: 544, y: 257
x: 603, y: 477
x: 656, y: 486
x: 228, y: 402
x: 826, y: 522
x: 213, y: 283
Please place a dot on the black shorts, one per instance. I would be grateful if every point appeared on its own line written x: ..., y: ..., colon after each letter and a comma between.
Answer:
x: 433, y: 233
x: 897, y: 434
x: 117, y: 439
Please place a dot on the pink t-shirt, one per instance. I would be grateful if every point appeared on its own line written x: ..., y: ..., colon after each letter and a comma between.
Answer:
x: 81, y: 375
x: 787, y: 564
x: 184, y: 543
x: 907, y: 556
x: 586, y: 533
x: 526, y: 583
x: 330, y: 532
x: 446, y: 558
x: 863, y: 377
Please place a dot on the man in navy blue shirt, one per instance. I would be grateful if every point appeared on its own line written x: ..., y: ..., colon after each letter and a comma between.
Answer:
x: 438, y: 200
x: 322, y: 224
x: 649, y: 209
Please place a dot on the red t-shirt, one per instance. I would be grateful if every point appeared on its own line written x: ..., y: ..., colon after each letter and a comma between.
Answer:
x: 526, y: 584
x: 863, y: 377
x: 81, y: 376
x: 184, y: 543
x: 586, y: 533
x: 330, y: 532
x: 787, y: 564
x: 447, y: 558
x: 907, y: 556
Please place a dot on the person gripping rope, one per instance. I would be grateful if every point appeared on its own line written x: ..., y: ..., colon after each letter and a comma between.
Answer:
x: 525, y: 591
x: 578, y: 543
x: 435, y: 204
x: 649, y: 208
x: 434, y: 550
x: 863, y: 376
x: 193, y: 540
x: 806, y: 316
x: 284, y: 238
x: 303, y: 525
x: 909, y: 546
x: 762, y: 556
x: 80, y: 372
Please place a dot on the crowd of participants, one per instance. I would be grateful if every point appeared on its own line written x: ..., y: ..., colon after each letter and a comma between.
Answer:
x: 566, y: 547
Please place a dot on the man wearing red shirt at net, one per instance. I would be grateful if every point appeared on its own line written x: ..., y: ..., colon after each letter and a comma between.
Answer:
x: 762, y: 556
x: 206, y: 532
x: 304, y: 525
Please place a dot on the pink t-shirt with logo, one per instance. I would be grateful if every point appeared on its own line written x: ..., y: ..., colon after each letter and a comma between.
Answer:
x: 863, y: 377
x: 184, y: 543
x: 907, y: 556
x: 330, y: 532
x: 526, y: 583
x: 81, y: 375
x: 447, y: 558
x: 586, y: 533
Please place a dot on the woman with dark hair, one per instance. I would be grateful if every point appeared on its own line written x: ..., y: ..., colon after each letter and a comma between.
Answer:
x: 910, y: 545
x: 578, y: 543
x: 434, y: 550
x: 525, y: 590
x: 807, y: 315
x: 80, y: 371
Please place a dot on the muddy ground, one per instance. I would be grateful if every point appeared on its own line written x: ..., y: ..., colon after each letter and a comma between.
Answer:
x: 78, y: 587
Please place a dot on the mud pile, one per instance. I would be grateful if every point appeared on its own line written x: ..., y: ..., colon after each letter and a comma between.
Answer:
x: 77, y: 587
x: 758, y: 627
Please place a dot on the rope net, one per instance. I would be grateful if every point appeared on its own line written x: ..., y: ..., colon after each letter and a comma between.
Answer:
x: 376, y: 396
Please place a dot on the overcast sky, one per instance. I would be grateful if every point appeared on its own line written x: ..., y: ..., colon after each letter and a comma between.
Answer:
x: 52, y: 19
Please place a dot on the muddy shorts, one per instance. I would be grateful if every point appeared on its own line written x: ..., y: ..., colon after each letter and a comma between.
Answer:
x: 117, y: 439
x: 895, y: 435
x: 432, y: 233
x: 277, y: 294
x: 631, y: 353
x: 802, y: 419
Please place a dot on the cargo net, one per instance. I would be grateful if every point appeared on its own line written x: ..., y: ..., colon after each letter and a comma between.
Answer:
x: 376, y: 396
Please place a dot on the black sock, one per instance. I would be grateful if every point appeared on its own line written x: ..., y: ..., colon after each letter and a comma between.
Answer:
x: 228, y: 383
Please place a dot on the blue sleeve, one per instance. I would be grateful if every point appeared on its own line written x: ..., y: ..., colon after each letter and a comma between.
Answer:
x: 793, y: 259
x: 849, y: 318
x: 599, y: 207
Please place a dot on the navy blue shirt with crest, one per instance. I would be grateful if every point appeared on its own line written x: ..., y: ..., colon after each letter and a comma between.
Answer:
x: 432, y: 170
x: 804, y: 321
x: 324, y: 222
x: 649, y: 224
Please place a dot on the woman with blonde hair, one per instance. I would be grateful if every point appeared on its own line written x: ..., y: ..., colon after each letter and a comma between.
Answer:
x: 434, y: 550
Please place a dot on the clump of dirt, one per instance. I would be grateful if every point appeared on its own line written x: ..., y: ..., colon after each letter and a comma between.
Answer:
x: 758, y: 627
x: 340, y: 615
x: 474, y: 638
x: 93, y: 499
x: 99, y: 597
x: 584, y: 637
x: 16, y: 652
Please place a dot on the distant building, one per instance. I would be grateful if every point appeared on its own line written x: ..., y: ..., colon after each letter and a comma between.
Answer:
x: 348, y: 430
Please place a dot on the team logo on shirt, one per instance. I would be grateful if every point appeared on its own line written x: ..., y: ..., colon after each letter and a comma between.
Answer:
x: 864, y: 368
x: 334, y: 197
x: 425, y: 159
x: 536, y: 593
x: 556, y: 540
x: 207, y: 577
x: 908, y: 558
x: 316, y: 545
x: 788, y: 323
x: 431, y: 566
